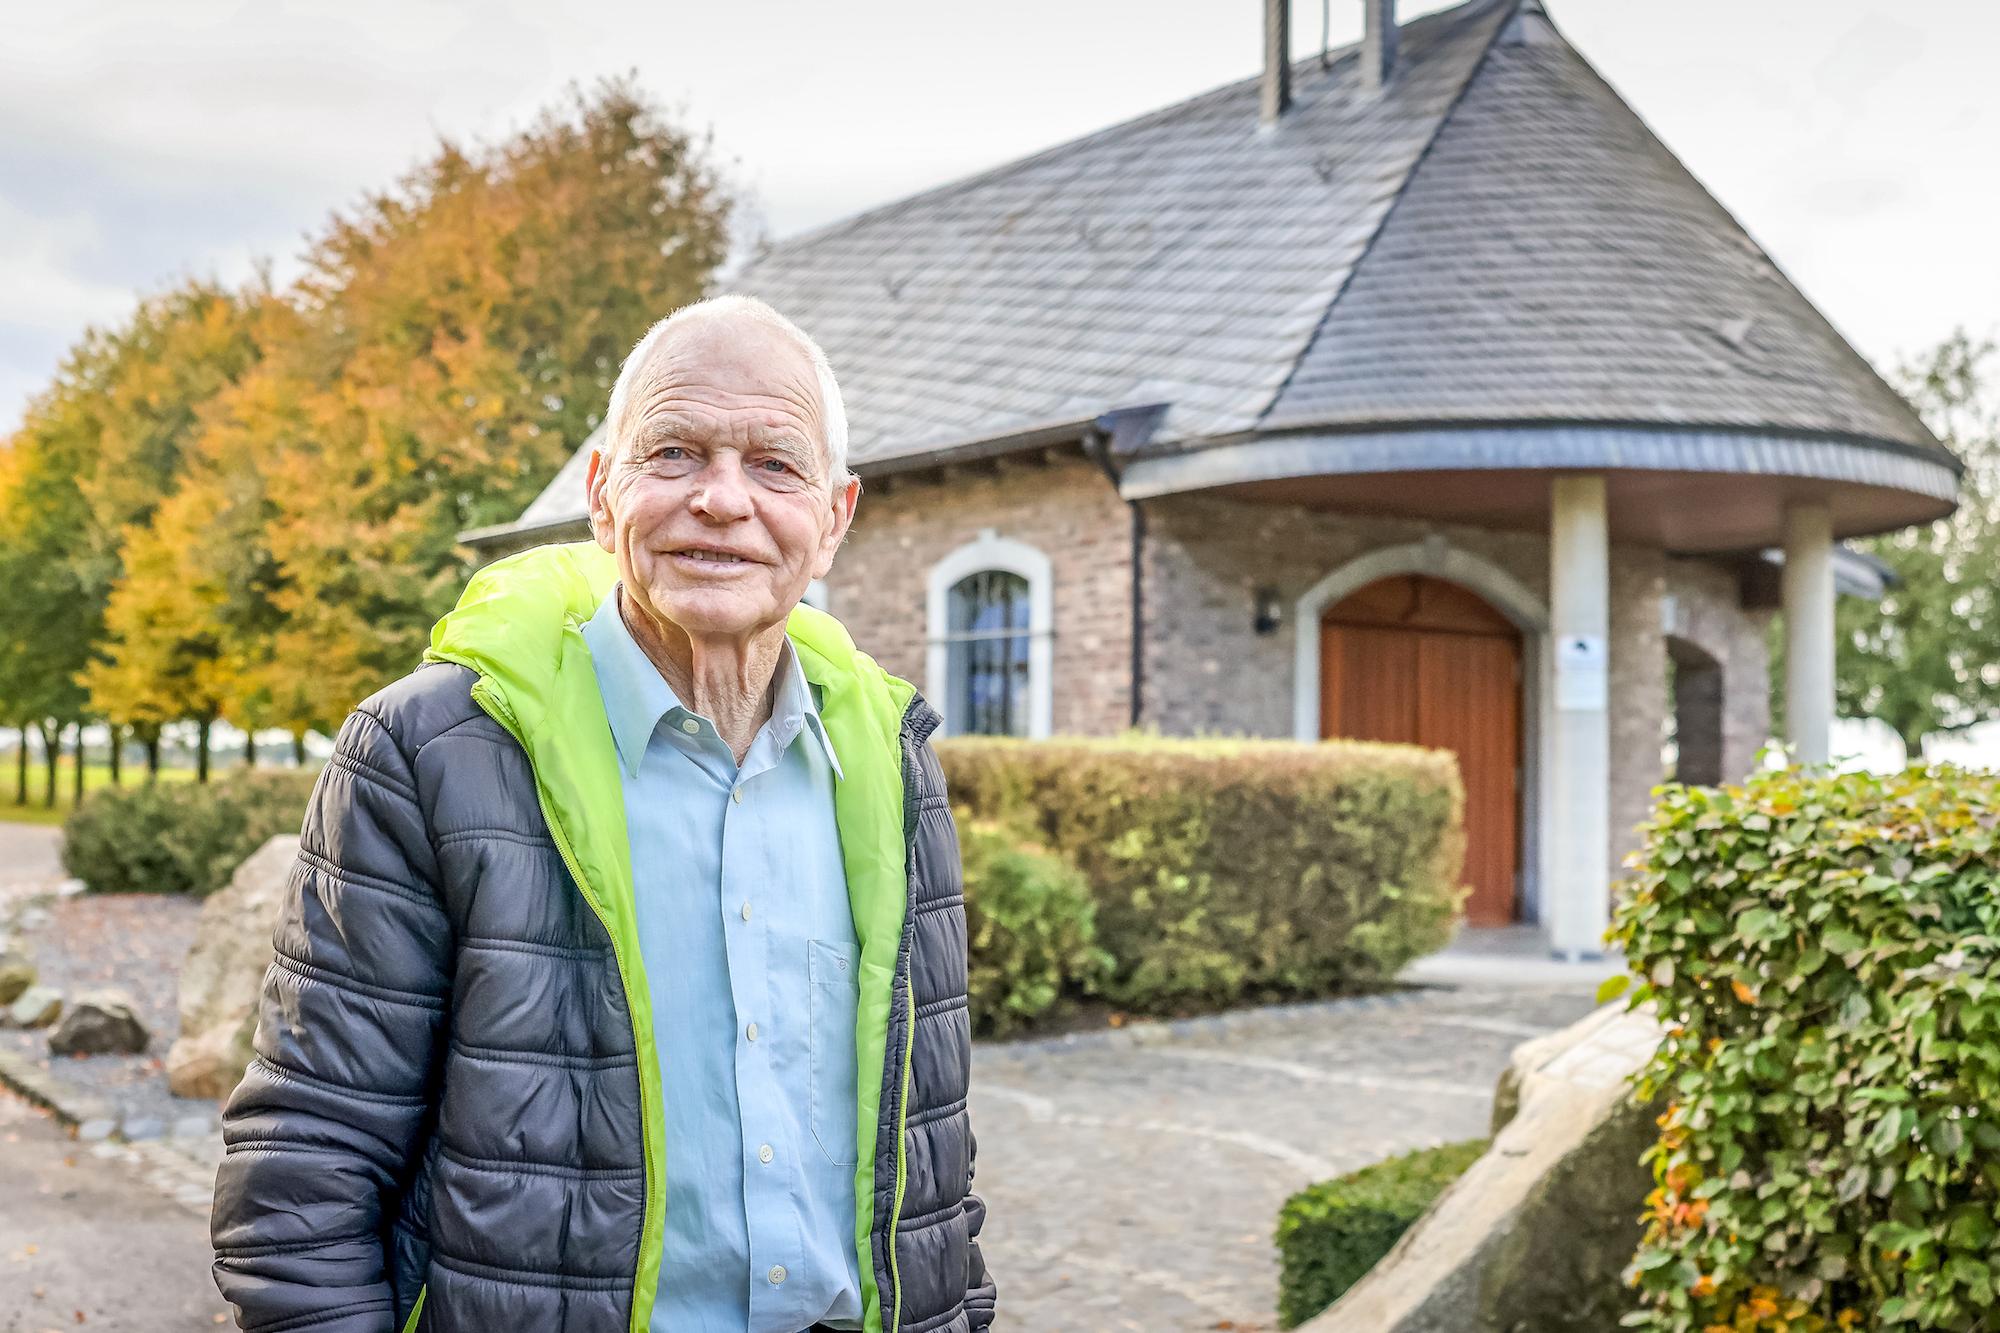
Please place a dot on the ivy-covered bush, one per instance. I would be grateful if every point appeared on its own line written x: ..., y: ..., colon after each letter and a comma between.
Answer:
x: 1227, y: 871
x: 1825, y: 951
x: 180, y: 837
x: 1332, y: 1233
x: 1031, y: 929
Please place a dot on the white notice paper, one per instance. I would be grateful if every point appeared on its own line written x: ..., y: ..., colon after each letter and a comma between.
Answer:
x: 1583, y: 672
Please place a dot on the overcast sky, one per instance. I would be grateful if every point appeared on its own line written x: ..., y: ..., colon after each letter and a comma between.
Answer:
x: 141, y: 141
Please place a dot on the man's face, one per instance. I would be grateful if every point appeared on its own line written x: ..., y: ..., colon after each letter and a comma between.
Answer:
x: 718, y: 503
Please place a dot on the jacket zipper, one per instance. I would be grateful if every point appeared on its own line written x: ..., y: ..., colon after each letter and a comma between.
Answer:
x: 910, y: 1022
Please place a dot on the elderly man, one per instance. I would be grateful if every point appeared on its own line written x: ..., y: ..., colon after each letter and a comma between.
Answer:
x: 621, y: 976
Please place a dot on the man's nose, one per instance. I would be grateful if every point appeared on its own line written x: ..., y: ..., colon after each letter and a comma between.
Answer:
x: 722, y: 492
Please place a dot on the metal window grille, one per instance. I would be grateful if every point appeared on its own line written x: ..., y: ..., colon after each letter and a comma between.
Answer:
x: 986, y: 654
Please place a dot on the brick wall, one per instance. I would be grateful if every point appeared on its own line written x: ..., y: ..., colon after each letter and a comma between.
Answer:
x: 1066, y: 509
x: 1703, y: 608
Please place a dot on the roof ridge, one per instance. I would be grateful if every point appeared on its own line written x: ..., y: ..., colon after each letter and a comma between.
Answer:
x: 1402, y: 187
x: 1219, y: 92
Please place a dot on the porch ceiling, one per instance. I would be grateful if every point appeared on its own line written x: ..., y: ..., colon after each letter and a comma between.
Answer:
x: 1683, y: 491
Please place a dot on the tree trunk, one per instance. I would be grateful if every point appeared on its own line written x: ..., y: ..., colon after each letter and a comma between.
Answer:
x: 299, y: 748
x: 249, y: 749
x: 76, y: 791
x: 153, y: 756
x: 21, y: 769
x: 51, y: 746
x: 117, y: 744
x: 201, y: 752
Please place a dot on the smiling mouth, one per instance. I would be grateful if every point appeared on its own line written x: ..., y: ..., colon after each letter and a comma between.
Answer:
x: 705, y: 556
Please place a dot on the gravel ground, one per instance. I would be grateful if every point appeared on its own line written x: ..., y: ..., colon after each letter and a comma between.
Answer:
x: 133, y: 942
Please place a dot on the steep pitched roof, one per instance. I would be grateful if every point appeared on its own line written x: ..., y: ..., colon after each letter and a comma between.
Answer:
x: 1494, y: 238
x: 1183, y: 257
x: 1549, y: 259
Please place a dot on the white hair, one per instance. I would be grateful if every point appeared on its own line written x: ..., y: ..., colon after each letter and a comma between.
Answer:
x: 833, y: 412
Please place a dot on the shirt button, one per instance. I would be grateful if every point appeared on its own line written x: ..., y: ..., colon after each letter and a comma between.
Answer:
x: 777, y: 1274
x: 764, y: 1154
x: 736, y: 795
x: 746, y: 911
x: 690, y: 726
x: 751, y: 1032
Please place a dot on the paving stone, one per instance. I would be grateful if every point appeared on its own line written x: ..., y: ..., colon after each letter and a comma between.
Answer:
x: 143, y: 1127
x: 193, y: 1127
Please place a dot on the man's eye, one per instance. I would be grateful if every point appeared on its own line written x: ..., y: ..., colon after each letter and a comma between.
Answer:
x: 775, y: 465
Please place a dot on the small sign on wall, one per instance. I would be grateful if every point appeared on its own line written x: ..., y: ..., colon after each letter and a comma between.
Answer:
x: 1583, y: 673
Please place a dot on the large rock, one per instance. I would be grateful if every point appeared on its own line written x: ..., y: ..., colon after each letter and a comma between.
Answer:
x: 16, y: 975
x: 35, y: 1007
x: 224, y: 974
x: 1533, y: 1238
x: 103, y: 1022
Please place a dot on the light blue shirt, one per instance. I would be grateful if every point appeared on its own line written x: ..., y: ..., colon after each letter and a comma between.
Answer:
x: 750, y: 956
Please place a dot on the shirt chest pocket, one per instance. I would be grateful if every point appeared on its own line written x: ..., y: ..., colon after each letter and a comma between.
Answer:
x: 834, y: 993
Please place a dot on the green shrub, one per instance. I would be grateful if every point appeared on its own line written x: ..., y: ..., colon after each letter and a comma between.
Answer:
x: 1030, y: 929
x: 1825, y: 950
x: 1226, y: 871
x: 180, y: 837
x: 1332, y: 1233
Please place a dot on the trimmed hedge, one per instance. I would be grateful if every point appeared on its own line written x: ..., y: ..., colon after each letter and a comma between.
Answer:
x: 180, y: 837
x: 1030, y: 927
x: 1332, y: 1233
x: 1234, y: 870
x: 1826, y: 952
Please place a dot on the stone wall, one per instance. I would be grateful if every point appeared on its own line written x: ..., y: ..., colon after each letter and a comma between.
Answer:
x: 1065, y: 508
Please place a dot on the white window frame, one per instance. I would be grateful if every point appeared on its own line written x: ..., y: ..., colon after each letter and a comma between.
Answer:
x: 991, y: 551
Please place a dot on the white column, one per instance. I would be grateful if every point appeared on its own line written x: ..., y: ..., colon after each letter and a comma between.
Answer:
x: 1808, y: 589
x: 1577, y: 900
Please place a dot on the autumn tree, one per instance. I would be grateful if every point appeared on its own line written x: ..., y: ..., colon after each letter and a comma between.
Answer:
x: 97, y: 450
x: 459, y: 333
x: 52, y: 615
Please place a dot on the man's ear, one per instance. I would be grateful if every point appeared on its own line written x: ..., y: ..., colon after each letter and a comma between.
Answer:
x: 844, y: 501
x: 600, y: 510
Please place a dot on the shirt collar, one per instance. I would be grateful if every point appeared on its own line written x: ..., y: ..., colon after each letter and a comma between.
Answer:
x: 637, y: 696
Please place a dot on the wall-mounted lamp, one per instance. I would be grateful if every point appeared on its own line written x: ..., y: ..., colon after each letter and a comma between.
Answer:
x: 1269, y: 613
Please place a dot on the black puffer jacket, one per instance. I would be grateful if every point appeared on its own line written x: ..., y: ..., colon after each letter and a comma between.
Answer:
x: 446, y: 1099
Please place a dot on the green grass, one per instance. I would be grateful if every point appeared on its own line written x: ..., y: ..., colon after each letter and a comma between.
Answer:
x: 95, y: 775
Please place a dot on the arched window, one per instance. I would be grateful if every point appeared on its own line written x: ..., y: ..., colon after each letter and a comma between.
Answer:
x: 986, y: 653
x: 988, y: 667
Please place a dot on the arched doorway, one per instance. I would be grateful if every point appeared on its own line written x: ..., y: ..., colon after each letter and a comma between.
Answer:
x: 1694, y: 685
x: 1420, y: 660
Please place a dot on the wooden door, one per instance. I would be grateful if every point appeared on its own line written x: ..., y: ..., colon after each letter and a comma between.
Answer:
x: 1422, y: 661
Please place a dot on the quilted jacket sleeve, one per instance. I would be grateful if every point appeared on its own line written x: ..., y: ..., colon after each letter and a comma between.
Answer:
x: 980, y: 1294
x: 320, y: 1136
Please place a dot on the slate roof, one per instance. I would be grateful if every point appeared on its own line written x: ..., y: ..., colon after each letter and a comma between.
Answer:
x: 1494, y: 238
x: 1184, y: 257
x: 1549, y: 259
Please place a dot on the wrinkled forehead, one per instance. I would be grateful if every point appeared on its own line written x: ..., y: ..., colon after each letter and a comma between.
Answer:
x: 731, y: 364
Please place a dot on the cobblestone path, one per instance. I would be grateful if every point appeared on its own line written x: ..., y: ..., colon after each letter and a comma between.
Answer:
x: 1135, y: 1186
